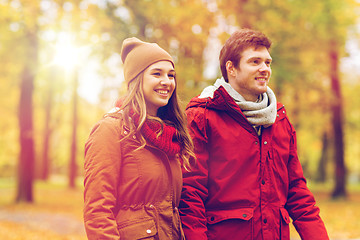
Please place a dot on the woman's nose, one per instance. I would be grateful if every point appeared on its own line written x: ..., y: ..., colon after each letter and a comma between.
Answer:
x: 165, y: 81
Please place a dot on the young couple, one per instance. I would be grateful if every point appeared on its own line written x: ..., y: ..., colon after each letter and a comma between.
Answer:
x: 227, y: 170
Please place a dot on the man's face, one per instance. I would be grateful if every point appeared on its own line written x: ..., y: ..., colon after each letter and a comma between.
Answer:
x: 251, y: 77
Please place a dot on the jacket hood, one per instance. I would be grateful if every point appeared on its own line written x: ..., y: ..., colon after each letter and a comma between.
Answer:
x: 216, y: 98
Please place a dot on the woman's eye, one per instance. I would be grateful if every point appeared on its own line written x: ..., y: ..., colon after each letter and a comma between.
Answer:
x: 156, y: 74
x: 171, y: 75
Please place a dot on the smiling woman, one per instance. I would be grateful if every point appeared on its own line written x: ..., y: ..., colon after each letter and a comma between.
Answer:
x: 133, y: 156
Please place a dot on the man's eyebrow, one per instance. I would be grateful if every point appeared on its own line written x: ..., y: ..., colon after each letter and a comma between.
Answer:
x: 267, y: 59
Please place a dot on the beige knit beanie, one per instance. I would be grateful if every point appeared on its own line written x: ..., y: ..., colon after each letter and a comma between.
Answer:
x: 138, y: 55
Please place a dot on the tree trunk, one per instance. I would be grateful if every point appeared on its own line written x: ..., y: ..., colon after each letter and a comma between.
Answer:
x: 72, y: 164
x: 45, y: 166
x: 27, y: 153
x: 337, y: 123
x: 321, y: 172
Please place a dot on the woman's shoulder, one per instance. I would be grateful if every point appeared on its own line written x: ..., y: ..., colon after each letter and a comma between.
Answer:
x: 115, y: 113
x: 111, y: 121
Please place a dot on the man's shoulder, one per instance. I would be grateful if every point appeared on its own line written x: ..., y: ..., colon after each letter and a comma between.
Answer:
x: 195, y: 107
x: 282, y: 115
x: 279, y: 106
x: 281, y: 111
x: 196, y: 102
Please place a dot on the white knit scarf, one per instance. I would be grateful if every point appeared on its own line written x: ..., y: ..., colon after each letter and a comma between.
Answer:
x: 259, y: 113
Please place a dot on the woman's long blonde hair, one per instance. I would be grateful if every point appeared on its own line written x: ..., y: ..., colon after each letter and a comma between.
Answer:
x: 170, y: 114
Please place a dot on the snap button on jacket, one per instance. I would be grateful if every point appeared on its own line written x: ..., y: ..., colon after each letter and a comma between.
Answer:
x: 129, y: 194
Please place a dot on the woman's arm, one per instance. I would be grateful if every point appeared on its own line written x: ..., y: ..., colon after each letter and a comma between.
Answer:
x: 102, y: 168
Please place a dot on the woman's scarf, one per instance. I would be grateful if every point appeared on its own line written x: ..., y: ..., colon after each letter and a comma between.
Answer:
x: 166, y: 141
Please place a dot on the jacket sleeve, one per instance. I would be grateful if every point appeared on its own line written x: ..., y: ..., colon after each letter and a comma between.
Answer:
x: 301, y: 202
x: 195, y: 192
x: 102, y: 167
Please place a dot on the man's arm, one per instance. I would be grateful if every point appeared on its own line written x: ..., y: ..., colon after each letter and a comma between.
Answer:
x: 195, y: 192
x: 301, y: 202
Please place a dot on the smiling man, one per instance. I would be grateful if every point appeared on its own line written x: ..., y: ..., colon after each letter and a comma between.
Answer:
x: 248, y: 181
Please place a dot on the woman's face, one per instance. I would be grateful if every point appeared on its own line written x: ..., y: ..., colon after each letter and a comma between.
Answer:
x: 158, y: 85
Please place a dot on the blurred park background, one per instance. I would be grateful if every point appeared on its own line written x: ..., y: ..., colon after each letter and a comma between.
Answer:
x: 60, y: 71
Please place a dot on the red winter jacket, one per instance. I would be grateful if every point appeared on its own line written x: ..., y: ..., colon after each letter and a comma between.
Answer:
x: 244, y: 186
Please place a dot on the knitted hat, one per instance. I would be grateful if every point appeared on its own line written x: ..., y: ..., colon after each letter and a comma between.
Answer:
x: 138, y: 55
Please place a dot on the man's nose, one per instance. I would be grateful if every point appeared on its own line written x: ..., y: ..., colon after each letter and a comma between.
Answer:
x: 264, y: 67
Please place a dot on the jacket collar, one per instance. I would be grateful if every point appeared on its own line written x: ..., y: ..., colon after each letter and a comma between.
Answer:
x: 219, y: 99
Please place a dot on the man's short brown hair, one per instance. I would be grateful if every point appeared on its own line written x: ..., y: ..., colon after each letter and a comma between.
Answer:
x: 237, y: 43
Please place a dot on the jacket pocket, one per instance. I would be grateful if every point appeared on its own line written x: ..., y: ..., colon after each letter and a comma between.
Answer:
x: 139, y: 229
x: 225, y: 224
x: 284, y: 224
